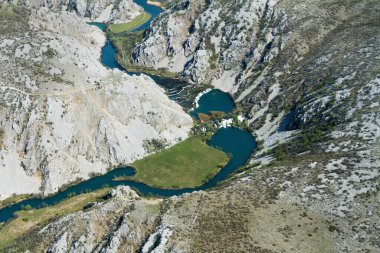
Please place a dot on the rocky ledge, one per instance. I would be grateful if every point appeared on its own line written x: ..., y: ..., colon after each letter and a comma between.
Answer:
x: 64, y: 116
x: 116, y: 11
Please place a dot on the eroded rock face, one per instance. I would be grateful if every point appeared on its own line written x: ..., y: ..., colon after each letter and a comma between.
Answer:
x: 96, y: 10
x: 64, y: 115
x: 117, y: 226
x: 291, y: 208
x: 322, y: 192
x: 213, y: 41
x: 268, y: 55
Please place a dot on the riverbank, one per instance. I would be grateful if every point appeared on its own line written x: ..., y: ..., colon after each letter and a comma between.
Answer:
x: 229, y: 140
x: 28, y: 217
x: 196, y: 100
x: 124, y: 44
x: 188, y: 164
x: 116, y: 54
x: 15, y: 199
x: 133, y: 24
x: 68, y: 80
x: 155, y: 3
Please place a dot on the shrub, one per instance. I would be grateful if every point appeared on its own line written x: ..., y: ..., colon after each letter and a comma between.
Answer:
x: 50, y: 53
x: 27, y: 207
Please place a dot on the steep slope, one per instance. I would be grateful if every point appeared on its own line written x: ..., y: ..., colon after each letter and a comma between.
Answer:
x: 64, y: 115
x: 312, y: 97
x: 212, y: 41
x: 267, y: 54
x: 116, y: 11
x: 281, y: 63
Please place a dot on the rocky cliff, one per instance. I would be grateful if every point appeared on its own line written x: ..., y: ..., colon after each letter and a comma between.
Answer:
x: 119, y: 225
x: 213, y: 41
x: 267, y: 54
x: 306, y: 76
x: 64, y: 116
x: 116, y: 11
x: 280, y: 60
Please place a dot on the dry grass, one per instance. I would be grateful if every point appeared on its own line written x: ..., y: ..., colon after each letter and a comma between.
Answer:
x: 26, y: 220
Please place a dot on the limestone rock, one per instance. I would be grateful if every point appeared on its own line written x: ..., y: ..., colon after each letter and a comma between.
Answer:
x: 64, y: 115
x: 96, y: 10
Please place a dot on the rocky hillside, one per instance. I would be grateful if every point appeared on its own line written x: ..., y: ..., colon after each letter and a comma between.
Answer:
x: 213, y: 41
x: 64, y: 116
x: 116, y: 11
x: 306, y: 75
x: 267, y: 54
x: 288, y: 64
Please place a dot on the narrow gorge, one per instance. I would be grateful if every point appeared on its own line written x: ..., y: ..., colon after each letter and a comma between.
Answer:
x: 189, y: 126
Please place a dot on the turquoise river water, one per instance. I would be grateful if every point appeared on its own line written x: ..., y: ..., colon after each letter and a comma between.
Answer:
x: 238, y: 143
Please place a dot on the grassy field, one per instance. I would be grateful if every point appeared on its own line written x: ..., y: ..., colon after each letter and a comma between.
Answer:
x: 14, y: 199
x: 38, y: 217
x: 187, y: 164
x: 136, y: 22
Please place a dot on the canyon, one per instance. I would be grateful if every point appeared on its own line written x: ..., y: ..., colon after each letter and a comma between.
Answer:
x: 50, y: 76
x: 304, y: 76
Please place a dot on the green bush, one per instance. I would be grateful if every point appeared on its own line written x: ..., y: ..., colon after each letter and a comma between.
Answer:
x: 27, y: 207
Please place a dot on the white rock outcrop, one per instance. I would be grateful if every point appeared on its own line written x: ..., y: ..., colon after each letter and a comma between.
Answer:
x: 213, y: 41
x: 118, y: 225
x: 64, y: 115
x: 96, y: 10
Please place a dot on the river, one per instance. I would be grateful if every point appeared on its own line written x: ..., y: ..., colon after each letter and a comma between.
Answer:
x: 238, y: 143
